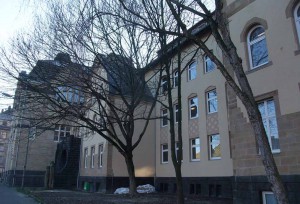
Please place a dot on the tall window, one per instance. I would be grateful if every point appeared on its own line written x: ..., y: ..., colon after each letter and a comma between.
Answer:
x: 175, y: 78
x: 257, y: 47
x: 208, y: 64
x: 164, y: 85
x: 193, y: 107
x: 214, y: 147
x: 195, y: 149
x: 93, y: 157
x: 192, y: 71
x: 86, y: 157
x: 164, y: 119
x: 61, y: 131
x: 268, y: 114
x: 100, y: 155
x: 212, y: 101
x: 164, y: 153
x: 297, y: 20
x: 176, y: 113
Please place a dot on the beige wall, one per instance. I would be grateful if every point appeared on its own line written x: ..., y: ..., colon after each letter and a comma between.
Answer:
x: 199, y: 126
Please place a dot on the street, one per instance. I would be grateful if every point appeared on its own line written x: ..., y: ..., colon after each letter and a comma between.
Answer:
x: 10, y: 195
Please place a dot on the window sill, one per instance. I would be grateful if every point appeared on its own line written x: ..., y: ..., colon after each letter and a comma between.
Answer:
x: 216, y: 158
x: 193, y: 118
x: 195, y: 160
x: 270, y: 63
x: 164, y: 163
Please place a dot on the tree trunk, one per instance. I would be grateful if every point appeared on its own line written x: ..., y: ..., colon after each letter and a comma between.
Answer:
x: 131, y: 173
x: 267, y: 156
x: 180, y: 197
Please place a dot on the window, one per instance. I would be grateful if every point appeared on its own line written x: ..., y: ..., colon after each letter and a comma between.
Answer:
x: 71, y: 95
x: 268, y: 114
x: 164, y: 85
x: 269, y: 198
x: 164, y: 119
x: 32, y: 133
x: 3, y: 135
x: 175, y: 79
x: 176, y: 113
x: 195, y: 149
x: 93, y: 157
x: 60, y: 132
x: 208, y: 64
x: 297, y: 20
x: 192, y: 71
x: 100, y: 156
x: 212, y: 101
x: 193, y: 107
x: 257, y: 47
x: 164, y: 153
x: 214, y: 147
x: 86, y: 157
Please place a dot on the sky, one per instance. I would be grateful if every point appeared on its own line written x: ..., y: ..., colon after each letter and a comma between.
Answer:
x: 15, y: 15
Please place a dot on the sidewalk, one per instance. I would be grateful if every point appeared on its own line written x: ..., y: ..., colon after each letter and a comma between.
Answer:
x: 10, y: 195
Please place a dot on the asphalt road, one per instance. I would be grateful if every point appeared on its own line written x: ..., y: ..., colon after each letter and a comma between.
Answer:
x: 10, y: 195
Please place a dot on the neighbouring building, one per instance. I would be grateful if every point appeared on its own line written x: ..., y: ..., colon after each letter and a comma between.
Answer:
x: 30, y: 145
x: 5, y: 125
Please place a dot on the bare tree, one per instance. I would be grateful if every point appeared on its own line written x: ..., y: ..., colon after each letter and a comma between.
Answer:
x: 98, y: 85
x: 218, y: 24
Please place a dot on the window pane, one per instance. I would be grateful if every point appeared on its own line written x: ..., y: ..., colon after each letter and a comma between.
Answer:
x: 259, y: 53
x: 215, y: 146
x: 194, y: 107
x: 256, y: 33
x: 165, y: 156
x: 212, y: 106
x: 270, y: 199
x: 192, y: 71
x: 209, y: 65
x: 271, y: 108
x: 261, y: 108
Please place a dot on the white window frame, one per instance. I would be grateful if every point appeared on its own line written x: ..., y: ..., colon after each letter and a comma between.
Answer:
x: 264, y: 193
x: 192, y: 68
x: 249, y: 43
x: 297, y: 21
x: 210, y: 147
x: 206, y: 60
x: 163, y: 150
x: 193, y: 105
x: 86, y: 155
x: 164, y: 115
x: 267, y: 116
x: 211, y: 99
x: 176, y: 109
x: 93, y: 157
x: 195, y: 147
x: 59, y: 130
x: 175, y: 78
x: 100, y: 156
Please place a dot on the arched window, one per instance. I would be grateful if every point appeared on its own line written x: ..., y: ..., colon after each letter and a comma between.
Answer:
x: 175, y: 78
x: 297, y: 20
x: 257, y: 47
x: 192, y: 71
x: 164, y: 85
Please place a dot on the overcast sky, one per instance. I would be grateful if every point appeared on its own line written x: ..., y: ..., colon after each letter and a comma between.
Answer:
x: 14, y: 15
